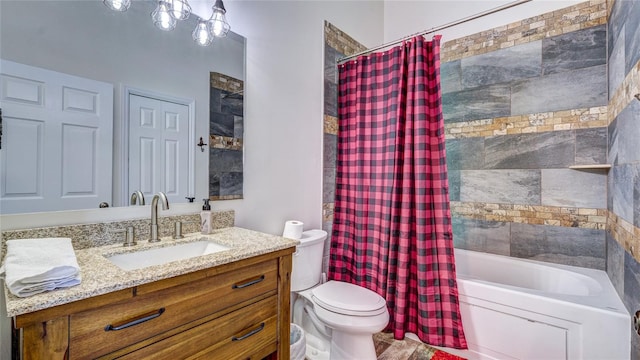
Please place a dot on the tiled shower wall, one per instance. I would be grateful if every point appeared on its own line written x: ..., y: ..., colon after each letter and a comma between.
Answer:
x: 226, y: 128
x: 337, y: 45
x: 623, y: 235
x: 522, y: 103
x: 527, y: 103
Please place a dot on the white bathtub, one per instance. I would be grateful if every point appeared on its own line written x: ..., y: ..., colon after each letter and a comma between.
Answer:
x: 522, y: 309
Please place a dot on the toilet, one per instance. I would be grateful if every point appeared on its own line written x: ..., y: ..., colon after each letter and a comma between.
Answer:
x: 338, y: 318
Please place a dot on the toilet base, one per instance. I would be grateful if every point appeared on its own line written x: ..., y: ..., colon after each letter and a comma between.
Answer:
x: 316, y: 349
x: 347, y: 346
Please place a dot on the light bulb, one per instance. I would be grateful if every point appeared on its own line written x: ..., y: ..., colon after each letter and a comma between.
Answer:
x: 117, y: 5
x: 179, y: 9
x: 218, y: 22
x: 161, y: 17
x: 202, y: 34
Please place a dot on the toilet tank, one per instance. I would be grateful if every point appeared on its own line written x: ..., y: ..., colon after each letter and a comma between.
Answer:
x: 307, y: 260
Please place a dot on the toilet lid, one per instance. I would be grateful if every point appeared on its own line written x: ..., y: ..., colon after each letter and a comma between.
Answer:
x: 344, y: 298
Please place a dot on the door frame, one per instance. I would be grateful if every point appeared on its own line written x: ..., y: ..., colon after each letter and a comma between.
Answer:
x: 127, y: 91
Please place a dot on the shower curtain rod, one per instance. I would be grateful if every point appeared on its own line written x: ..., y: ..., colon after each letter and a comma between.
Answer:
x: 437, y: 28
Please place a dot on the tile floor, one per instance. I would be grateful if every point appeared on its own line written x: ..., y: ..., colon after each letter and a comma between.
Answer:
x: 387, y: 348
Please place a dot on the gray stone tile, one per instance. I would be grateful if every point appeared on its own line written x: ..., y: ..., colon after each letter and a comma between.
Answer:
x: 631, y: 297
x: 622, y: 177
x: 479, y: 235
x: 215, y: 102
x: 617, y: 71
x: 330, y: 98
x: 480, y: 103
x: 615, y: 264
x: 636, y: 194
x: 591, y: 146
x: 238, y: 127
x: 628, y: 123
x: 214, y: 183
x: 551, y: 149
x: 567, y: 90
x: 450, y: 76
x: 330, y: 150
x: 465, y: 153
x: 328, y: 185
x: 561, y: 245
x: 631, y: 31
x: 617, y: 19
x: 231, y: 183
x: 221, y: 124
x: 612, y: 135
x: 502, y: 66
x: 454, y: 185
x: 575, y: 50
x: 223, y: 160
x: 331, y: 55
x: 500, y: 186
x: 574, y: 188
x: 232, y: 104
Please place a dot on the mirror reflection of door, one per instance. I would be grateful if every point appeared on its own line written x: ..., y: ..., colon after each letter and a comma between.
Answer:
x: 58, y: 136
x: 158, y: 147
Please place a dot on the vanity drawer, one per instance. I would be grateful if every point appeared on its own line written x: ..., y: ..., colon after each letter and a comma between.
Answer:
x: 154, y: 312
x: 247, y: 333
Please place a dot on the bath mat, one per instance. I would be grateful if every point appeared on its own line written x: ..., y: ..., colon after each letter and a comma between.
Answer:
x: 387, y: 348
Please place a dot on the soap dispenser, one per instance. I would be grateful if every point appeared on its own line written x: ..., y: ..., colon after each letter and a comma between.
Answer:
x: 205, y: 217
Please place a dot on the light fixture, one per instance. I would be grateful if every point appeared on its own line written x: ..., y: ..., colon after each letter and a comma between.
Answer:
x: 179, y: 9
x: 202, y: 33
x: 168, y: 12
x: 218, y: 22
x: 117, y: 5
x: 161, y: 17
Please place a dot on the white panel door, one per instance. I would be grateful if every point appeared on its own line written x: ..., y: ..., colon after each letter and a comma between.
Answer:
x: 158, y: 147
x: 57, y: 140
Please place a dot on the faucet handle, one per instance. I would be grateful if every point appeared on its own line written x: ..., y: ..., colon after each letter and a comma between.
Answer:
x: 177, y: 230
x: 130, y: 237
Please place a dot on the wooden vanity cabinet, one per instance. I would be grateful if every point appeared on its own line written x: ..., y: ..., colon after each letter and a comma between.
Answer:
x: 233, y: 311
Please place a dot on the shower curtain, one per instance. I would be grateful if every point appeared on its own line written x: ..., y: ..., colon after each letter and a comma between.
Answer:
x: 392, y: 223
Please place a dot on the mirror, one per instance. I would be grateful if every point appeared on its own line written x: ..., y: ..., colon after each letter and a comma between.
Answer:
x: 88, y: 40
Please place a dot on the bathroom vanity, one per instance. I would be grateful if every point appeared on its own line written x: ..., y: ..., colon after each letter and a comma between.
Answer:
x: 231, y: 304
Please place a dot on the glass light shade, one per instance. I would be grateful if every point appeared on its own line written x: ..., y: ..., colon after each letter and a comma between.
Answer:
x: 179, y: 9
x: 117, y: 5
x: 202, y: 33
x: 218, y: 22
x: 161, y: 17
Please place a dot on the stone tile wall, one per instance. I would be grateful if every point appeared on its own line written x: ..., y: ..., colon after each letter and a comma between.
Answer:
x: 623, y: 200
x: 337, y: 45
x: 226, y: 128
x: 517, y: 116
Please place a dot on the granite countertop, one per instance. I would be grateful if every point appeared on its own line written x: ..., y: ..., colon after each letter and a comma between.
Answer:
x: 100, y: 276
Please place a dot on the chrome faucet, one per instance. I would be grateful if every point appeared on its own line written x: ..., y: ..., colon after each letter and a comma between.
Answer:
x: 154, y: 214
x: 137, y: 197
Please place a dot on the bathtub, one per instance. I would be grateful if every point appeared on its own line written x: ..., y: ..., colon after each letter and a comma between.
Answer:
x: 522, y: 309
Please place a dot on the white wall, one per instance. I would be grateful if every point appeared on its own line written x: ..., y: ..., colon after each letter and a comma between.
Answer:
x: 284, y: 103
x: 406, y: 17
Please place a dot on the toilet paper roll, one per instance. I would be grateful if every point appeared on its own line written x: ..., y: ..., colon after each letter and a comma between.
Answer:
x: 293, y: 229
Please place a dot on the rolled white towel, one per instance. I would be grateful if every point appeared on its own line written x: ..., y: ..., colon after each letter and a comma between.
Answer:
x: 33, y: 266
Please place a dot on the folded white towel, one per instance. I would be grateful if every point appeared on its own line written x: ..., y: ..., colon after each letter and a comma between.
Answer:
x: 32, y: 266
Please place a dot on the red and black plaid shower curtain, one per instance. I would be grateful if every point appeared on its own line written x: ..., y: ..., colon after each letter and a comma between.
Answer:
x: 392, y: 224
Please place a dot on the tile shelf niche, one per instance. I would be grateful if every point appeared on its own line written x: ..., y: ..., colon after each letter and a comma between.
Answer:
x: 591, y: 167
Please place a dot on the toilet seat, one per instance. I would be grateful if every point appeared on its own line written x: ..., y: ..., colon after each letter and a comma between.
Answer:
x: 348, y: 299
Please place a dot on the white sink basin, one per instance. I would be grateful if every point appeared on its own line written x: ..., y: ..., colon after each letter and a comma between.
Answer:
x: 163, y: 255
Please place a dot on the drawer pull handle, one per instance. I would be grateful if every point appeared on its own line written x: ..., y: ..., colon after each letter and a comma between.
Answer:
x: 251, y: 333
x: 140, y: 320
x: 252, y: 282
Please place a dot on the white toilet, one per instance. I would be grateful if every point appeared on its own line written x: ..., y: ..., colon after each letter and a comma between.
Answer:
x: 338, y: 318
